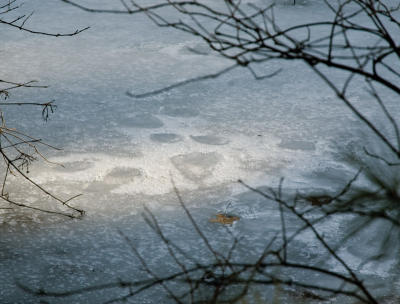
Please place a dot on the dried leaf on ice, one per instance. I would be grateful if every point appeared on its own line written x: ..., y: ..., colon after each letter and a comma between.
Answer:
x: 224, y: 219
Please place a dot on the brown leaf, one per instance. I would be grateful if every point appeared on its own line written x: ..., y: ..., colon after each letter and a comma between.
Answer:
x: 224, y: 219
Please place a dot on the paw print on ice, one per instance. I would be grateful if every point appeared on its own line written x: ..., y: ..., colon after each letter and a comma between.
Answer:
x: 122, y: 175
x: 210, y: 140
x: 166, y: 137
x: 196, y: 166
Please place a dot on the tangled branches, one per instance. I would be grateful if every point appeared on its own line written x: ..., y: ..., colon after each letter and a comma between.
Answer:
x: 17, y: 149
x: 19, y: 21
x: 360, y: 41
x: 229, y: 277
x: 250, y: 35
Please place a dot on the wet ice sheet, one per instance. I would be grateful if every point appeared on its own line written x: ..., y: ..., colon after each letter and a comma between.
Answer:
x: 68, y: 255
x: 121, y: 152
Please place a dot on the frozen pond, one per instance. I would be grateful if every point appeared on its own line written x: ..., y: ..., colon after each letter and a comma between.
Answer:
x: 121, y: 152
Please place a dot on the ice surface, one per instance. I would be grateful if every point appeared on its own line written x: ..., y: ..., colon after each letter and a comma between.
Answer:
x: 121, y: 152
